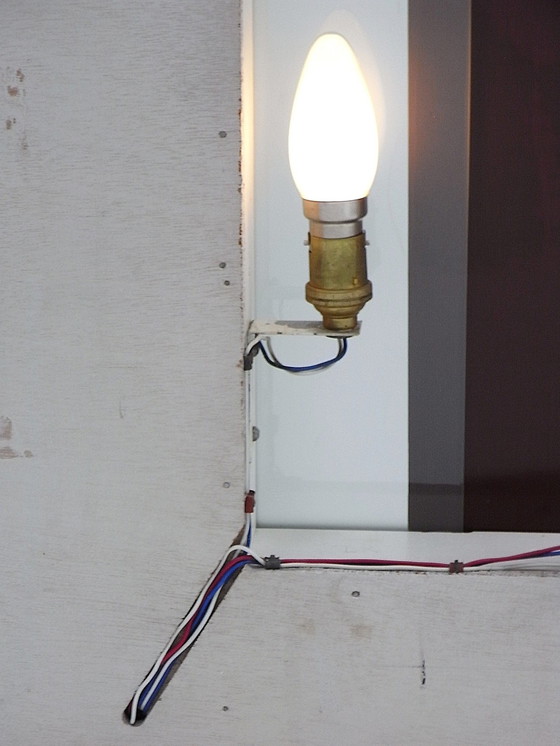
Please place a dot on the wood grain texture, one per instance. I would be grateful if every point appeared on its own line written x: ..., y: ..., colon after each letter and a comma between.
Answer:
x: 415, y: 659
x: 120, y: 345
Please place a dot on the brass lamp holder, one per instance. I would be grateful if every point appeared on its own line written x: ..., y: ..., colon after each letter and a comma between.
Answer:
x: 338, y: 285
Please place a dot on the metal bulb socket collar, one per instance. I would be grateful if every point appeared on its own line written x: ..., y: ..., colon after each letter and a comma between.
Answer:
x: 338, y: 286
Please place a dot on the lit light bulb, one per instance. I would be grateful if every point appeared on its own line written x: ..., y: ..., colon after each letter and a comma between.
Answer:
x: 333, y: 153
x: 333, y: 142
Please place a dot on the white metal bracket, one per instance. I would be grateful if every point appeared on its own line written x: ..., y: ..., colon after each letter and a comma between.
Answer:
x: 259, y: 330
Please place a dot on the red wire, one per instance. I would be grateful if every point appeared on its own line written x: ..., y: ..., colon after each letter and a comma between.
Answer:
x: 365, y: 562
x: 408, y: 563
x: 512, y: 557
x: 185, y: 633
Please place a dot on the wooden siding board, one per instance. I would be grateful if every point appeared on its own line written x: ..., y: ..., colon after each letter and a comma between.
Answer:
x: 415, y: 659
x: 121, y: 386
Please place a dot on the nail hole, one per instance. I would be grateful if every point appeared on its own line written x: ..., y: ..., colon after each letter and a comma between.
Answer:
x: 221, y: 133
x: 355, y: 594
x: 222, y: 265
x: 225, y: 708
x: 226, y: 484
x: 227, y: 282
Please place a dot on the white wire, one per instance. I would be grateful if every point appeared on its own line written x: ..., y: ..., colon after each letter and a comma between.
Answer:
x: 268, y: 344
x: 252, y: 523
x: 266, y: 339
x: 182, y: 649
x: 529, y: 563
x: 187, y: 644
x: 186, y: 620
x: 246, y: 530
x: 254, y: 342
x: 251, y: 552
x: 520, y: 564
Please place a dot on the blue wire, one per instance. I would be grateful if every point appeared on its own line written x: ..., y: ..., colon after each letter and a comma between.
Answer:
x: 210, y: 596
x: 302, y: 369
x: 145, y: 703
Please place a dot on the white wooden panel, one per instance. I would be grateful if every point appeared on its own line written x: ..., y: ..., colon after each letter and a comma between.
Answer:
x: 418, y: 546
x: 333, y: 451
x: 121, y: 391
x: 414, y: 660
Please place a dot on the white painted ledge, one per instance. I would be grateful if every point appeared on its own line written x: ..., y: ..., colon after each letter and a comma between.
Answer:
x: 405, y: 545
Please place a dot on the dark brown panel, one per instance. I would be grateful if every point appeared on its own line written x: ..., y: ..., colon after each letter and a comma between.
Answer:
x: 438, y: 200
x: 512, y: 435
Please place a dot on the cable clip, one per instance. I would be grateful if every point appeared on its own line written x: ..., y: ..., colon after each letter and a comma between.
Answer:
x: 456, y: 567
x: 272, y: 563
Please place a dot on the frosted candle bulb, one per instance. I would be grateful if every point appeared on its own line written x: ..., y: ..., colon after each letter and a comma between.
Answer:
x: 333, y: 142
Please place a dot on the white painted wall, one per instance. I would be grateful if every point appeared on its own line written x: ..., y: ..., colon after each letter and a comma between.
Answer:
x: 333, y: 449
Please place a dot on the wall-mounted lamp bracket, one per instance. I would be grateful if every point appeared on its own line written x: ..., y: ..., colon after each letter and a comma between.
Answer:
x: 297, y: 328
x: 260, y: 331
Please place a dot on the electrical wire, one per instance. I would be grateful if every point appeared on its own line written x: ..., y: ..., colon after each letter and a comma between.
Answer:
x: 232, y: 562
x: 387, y: 564
x: 146, y: 701
x: 364, y: 564
x: 271, y: 358
x: 239, y: 555
x: 536, y: 554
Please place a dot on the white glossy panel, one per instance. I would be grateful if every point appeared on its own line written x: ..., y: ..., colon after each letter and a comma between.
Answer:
x: 333, y: 450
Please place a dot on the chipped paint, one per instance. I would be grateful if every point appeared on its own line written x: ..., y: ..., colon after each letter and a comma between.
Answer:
x: 16, y: 94
x: 6, y: 430
x: 7, y: 452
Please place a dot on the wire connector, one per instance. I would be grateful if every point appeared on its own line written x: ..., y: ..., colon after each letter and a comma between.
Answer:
x: 272, y: 563
x: 248, y: 358
x: 456, y: 567
x: 250, y: 502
